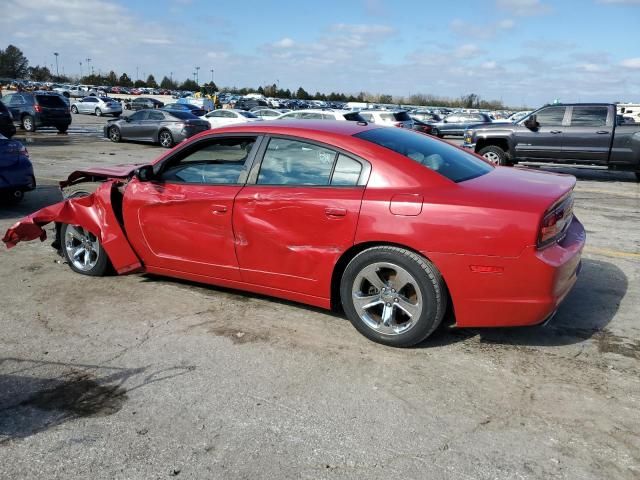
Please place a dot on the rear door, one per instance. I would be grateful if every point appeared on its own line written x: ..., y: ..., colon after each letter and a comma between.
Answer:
x: 543, y: 143
x: 181, y: 221
x: 15, y: 103
x: 589, y: 133
x: 297, y: 215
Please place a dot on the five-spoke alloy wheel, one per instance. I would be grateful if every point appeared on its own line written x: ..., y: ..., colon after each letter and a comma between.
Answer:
x: 393, y: 296
x: 83, y: 251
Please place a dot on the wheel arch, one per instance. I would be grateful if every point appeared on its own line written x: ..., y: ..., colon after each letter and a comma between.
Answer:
x: 354, y: 250
x: 502, y: 143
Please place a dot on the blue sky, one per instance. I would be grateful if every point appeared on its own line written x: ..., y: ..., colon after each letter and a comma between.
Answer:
x: 525, y: 52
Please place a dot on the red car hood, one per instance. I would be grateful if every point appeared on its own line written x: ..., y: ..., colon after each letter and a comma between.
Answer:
x: 114, y: 171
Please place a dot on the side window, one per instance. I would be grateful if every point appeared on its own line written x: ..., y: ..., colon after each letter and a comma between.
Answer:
x: 219, y: 162
x: 589, y: 116
x: 311, y: 116
x: 142, y: 115
x: 550, y: 117
x: 347, y: 171
x: 290, y: 162
x: 368, y: 117
x: 156, y: 116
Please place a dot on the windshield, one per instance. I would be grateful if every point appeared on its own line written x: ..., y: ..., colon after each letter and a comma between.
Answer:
x: 447, y: 160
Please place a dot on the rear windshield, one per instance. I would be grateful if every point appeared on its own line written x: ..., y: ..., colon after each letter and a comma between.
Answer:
x: 401, y: 116
x: 247, y: 114
x: 441, y: 157
x: 183, y: 115
x: 51, y: 101
x: 354, y: 117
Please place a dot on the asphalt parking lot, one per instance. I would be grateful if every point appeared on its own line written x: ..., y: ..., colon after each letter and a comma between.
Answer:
x: 146, y: 377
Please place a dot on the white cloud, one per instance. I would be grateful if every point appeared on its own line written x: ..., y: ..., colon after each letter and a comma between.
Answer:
x: 481, y: 31
x: 285, y: 42
x: 620, y: 2
x: 633, y: 63
x: 524, y: 8
x: 490, y: 65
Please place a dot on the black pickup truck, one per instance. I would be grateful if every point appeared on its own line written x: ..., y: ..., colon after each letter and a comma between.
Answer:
x: 589, y: 134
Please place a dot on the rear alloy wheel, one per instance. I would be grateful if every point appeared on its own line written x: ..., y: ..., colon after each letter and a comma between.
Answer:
x: 494, y: 154
x: 165, y: 138
x: 83, y: 251
x: 28, y: 123
x: 393, y: 296
x: 114, y: 134
x: 98, y: 112
x: 74, y: 109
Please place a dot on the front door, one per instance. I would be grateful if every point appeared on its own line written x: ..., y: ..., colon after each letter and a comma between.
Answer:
x: 545, y: 141
x: 133, y: 127
x: 298, y: 217
x: 181, y: 220
x: 588, y: 136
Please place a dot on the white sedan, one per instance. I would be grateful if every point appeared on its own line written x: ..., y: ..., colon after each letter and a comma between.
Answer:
x: 224, y: 117
x: 311, y: 114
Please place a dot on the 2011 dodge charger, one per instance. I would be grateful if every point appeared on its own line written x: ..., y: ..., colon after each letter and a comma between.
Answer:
x: 393, y: 226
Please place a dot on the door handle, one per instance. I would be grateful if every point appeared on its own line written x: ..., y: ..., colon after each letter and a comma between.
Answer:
x: 602, y: 132
x: 554, y: 132
x: 218, y: 209
x: 335, y: 212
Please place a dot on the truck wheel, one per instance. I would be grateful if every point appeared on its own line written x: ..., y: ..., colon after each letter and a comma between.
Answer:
x: 494, y: 154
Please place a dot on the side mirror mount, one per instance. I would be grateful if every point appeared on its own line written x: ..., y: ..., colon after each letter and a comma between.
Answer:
x: 144, y: 174
x: 531, y: 123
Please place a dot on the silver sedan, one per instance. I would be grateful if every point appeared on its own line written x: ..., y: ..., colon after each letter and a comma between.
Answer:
x: 98, y: 106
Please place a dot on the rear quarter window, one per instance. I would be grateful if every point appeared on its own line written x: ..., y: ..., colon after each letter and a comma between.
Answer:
x: 447, y: 160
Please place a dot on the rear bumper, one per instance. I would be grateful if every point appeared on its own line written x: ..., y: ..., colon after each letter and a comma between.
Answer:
x: 520, y: 291
x: 17, y: 178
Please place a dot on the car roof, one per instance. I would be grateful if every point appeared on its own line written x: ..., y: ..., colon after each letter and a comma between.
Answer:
x: 282, y: 127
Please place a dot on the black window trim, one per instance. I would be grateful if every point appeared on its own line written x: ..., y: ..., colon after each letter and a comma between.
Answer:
x: 189, y: 148
x: 255, y: 169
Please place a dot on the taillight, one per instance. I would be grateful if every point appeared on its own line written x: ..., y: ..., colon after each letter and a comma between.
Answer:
x: 555, y: 222
x: 399, y: 124
x: 37, y: 108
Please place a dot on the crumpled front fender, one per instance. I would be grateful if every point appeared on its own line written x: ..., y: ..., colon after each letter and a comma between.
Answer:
x: 93, y: 213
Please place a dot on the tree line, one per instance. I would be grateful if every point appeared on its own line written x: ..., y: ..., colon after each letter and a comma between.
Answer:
x: 14, y: 65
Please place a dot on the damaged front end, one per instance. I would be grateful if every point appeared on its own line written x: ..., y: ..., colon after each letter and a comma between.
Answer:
x: 98, y: 213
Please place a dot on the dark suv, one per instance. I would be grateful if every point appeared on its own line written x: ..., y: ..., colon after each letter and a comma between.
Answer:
x: 141, y: 103
x: 6, y: 122
x: 38, y: 109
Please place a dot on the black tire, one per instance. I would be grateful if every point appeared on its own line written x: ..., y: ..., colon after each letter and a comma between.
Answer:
x: 12, y: 198
x: 431, y: 294
x: 114, y: 134
x: 98, y: 112
x: 98, y: 263
x: 29, y: 123
x: 494, y: 154
x: 63, y: 129
x: 74, y: 109
x: 165, y: 139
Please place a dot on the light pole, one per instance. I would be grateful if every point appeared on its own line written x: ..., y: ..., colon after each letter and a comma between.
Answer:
x: 80, y: 69
x: 137, y: 76
x: 56, y: 54
x: 198, y: 75
x: 212, y: 77
x: 88, y: 60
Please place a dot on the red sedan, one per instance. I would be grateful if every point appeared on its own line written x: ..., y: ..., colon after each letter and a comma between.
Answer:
x: 393, y: 226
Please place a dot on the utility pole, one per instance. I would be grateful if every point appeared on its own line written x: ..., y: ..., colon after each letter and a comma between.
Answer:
x: 57, y: 72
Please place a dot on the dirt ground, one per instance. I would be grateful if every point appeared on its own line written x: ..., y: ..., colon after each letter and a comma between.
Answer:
x: 140, y: 377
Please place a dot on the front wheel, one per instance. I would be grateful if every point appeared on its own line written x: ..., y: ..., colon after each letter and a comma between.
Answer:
x: 393, y: 296
x: 114, y: 134
x: 494, y: 154
x: 98, y: 112
x: 166, y: 139
x: 83, y: 251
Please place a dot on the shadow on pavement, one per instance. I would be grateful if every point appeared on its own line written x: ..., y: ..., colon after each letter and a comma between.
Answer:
x: 42, y: 196
x: 31, y: 403
x: 587, y: 310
